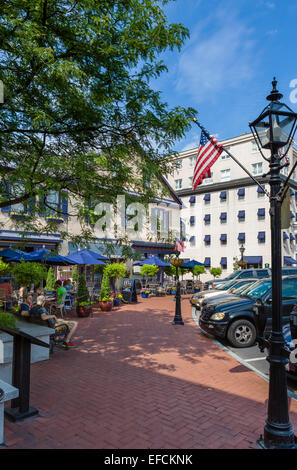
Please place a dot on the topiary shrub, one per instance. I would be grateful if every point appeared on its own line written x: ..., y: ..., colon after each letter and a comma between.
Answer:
x: 149, y: 270
x: 50, y: 280
x: 216, y: 272
x: 75, y: 274
x: 82, y: 290
x: 105, y: 291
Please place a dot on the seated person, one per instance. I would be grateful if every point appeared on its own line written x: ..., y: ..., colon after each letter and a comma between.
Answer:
x: 40, y: 312
x: 60, y: 291
x: 26, y: 306
x: 68, y: 285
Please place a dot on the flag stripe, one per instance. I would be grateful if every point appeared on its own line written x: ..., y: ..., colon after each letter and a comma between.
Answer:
x: 208, y: 152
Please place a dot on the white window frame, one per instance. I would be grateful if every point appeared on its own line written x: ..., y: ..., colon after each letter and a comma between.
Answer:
x: 228, y: 177
x: 256, y: 165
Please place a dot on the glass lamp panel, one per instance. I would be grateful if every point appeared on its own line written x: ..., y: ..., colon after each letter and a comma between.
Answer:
x: 262, y: 129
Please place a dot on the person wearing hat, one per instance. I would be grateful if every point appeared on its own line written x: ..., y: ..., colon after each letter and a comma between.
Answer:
x: 40, y: 312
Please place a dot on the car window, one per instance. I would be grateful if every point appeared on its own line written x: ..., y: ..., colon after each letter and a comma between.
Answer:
x: 259, y: 290
x: 232, y: 276
x: 289, y: 271
x: 289, y: 289
x: 262, y: 273
x: 245, y: 274
x: 245, y: 287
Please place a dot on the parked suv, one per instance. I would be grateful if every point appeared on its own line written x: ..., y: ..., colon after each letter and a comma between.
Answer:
x: 233, y: 318
x: 221, y: 291
x: 248, y: 273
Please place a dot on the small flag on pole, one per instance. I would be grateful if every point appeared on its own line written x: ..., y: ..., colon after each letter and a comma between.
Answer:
x: 208, y: 152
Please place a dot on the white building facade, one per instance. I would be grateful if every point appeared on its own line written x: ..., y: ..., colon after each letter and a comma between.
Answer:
x: 229, y: 210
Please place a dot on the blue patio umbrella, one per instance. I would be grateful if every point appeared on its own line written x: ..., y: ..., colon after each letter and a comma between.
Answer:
x: 83, y: 257
x: 14, y: 255
x: 153, y: 260
x: 39, y: 255
x: 191, y: 264
x: 91, y: 253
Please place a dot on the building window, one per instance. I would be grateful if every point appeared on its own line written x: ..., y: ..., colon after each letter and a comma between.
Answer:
x: 160, y: 222
x: 192, y: 241
x: 225, y: 175
x: 224, y: 155
x: 260, y: 192
x: 241, y: 238
x: 207, y: 239
x: 190, y: 181
x: 206, y: 199
x: 179, y: 164
x: 241, y: 194
x: 223, y: 196
x: 261, y: 237
x: 223, y: 217
x: 223, y: 263
x: 207, y: 262
x: 223, y: 239
x: 208, y: 180
x: 192, y: 201
x: 192, y: 162
x: 192, y: 221
x: 254, y: 147
x: 178, y: 184
x: 241, y: 216
x: 207, y: 219
x: 257, y: 168
x: 261, y: 214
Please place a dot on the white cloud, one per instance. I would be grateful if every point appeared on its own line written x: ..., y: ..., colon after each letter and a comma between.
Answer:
x: 216, y: 58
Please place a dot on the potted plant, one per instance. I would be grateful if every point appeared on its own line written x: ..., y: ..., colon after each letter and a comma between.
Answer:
x: 83, y: 306
x: 115, y: 271
x: 105, y: 299
x: 144, y: 293
x: 117, y: 299
x: 50, y: 286
x: 172, y: 290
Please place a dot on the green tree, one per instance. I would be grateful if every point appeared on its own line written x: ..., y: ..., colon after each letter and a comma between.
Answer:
x: 75, y: 274
x: 198, y: 270
x: 216, y: 272
x: 27, y: 273
x: 4, y: 267
x: 149, y: 270
x: 82, y: 290
x: 50, y: 280
x: 78, y: 103
x: 105, y: 291
x: 115, y: 271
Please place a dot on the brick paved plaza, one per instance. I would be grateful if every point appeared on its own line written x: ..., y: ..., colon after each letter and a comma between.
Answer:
x: 135, y: 381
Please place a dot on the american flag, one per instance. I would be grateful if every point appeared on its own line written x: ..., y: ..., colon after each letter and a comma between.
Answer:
x: 208, y: 152
x: 281, y: 154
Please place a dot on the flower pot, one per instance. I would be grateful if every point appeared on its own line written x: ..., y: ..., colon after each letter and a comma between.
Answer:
x: 83, y: 310
x: 176, y: 262
x: 144, y: 295
x: 116, y: 302
x: 105, y: 306
x: 172, y: 292
x: 196, y: 289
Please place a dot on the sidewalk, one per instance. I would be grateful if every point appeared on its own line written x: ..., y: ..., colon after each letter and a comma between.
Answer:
x: 135, y: 381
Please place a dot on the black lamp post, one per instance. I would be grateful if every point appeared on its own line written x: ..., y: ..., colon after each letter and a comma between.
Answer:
x: 242, y: 263
x: 274, y: 129
x: 177, y: 263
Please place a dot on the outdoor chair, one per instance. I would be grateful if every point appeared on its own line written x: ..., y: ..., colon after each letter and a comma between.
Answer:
x: 3, y: 295
x: 59, y: 305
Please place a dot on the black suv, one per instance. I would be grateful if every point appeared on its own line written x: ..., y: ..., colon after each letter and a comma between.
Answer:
x: 234, y: 318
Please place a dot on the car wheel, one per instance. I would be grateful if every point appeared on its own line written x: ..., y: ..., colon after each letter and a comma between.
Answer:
x: 241, y: 334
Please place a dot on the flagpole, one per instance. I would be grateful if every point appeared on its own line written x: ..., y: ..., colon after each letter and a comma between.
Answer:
x: 232, y: 156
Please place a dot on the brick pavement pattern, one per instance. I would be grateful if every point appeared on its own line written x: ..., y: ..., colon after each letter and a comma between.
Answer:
x: 135, y: 381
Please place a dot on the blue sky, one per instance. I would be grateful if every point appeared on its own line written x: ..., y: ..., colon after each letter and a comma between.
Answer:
x: 225, y: 69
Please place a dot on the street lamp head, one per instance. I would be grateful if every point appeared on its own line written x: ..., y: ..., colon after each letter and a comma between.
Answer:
x: 242, y: 249
x: 276, y: 125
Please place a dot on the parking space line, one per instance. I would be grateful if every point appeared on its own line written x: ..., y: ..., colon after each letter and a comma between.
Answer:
x: 255, y: 359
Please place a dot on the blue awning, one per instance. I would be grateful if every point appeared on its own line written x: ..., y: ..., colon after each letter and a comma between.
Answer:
x: 285, y: 236
x: 223, y: 216
x: 192, y: 219
x: 289, y: 260
x: 223, y: 237
x: 223, y: 195
x: 223, y: 261
x: 192, y: 199
x: 241, y: 214
x: 292, y: 238
x: 241, y: 237
x: 261, y: 211
x: 253, y: 259
x: 260, y: 190
x: 207, y: 217
x: 261, y: 235
x: 241, y: 192
x: 207, y: 238
x: 291, y: 192
x: 206, y: 197
x: 206, y: 262
x: 192, y: 239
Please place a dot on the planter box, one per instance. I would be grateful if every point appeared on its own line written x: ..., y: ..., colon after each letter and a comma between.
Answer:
x: 106, y: 306
x: 117, y: 302
x: 84, y: 311
x: 38, y: 353
x: 144, y: 296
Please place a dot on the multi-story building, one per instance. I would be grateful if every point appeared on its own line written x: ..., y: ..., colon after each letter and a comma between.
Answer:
x: 229, y: 210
